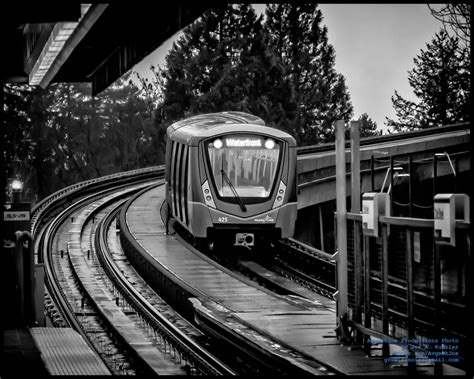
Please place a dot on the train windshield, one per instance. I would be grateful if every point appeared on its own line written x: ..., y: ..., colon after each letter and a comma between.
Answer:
x: 243, y: 166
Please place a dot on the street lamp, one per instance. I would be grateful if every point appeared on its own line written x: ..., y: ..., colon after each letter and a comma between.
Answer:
x: 17, y: 189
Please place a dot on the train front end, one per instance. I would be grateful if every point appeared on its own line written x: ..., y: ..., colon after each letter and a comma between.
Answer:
x: 248, y: 187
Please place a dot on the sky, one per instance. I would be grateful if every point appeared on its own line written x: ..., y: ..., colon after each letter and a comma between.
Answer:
x: 375, y: 45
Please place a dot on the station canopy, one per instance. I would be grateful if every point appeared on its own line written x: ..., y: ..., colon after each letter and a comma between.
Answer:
x: 47, y: 42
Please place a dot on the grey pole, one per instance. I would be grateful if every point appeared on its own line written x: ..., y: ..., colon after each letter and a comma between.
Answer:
x: 357, y: 226
x: 342, y: 300
x: 355, y: 167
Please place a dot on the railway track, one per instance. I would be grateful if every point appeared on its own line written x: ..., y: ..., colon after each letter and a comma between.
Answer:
x: 83, y: 273
x: 69, y: 303
x: 316, y: 271
x: 79, y: 247
x: 306, y: 265
x: 292, y: 265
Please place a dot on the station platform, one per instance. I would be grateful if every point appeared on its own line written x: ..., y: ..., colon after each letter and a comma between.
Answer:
x: 44, y: 351
x: 226, y: 298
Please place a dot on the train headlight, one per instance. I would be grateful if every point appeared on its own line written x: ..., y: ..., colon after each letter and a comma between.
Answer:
x: 269, y: 143
x: 218, y: 143
x: 280, y: 196
x: 207, y: 195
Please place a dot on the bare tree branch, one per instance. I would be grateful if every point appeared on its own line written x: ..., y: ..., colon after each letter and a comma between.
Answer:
x: 456, y: 17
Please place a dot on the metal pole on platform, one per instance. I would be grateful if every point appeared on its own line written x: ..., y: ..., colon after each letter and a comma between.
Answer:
x: 357, y: 233
x: 3, y: 183
x: 355, y: 167
x: 342, y: 298
x: 372, y: 173
x: 27, y: 276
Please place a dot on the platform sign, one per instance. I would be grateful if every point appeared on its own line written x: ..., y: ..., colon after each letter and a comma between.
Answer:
x: 16, y: 217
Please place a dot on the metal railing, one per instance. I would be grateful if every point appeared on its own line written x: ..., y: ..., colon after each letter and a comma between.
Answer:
x: 402, y: 291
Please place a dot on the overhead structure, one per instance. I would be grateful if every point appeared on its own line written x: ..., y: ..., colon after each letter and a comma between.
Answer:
x: 73, y: 42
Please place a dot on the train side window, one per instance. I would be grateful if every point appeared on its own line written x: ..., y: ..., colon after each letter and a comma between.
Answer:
x: 184, y: 184
x: 179, y: 152
x: 172, y: 176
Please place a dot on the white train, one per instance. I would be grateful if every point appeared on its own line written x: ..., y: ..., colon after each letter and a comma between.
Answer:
x: 231, y: 178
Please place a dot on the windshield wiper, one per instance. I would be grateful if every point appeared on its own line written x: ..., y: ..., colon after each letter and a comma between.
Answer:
x: 236, y: 195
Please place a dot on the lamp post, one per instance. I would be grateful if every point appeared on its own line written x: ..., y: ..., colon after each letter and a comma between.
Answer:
x: 17, y: 189
x: 18, y: 252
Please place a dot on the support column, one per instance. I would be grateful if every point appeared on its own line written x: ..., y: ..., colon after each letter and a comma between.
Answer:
x: 4, y: 258
x: 341, y: 257
x: 321, y: 227
x: 357, y: 230
x: 3, y: 179
x: 355, y: 167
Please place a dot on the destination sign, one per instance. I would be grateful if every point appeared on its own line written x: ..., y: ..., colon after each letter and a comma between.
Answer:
x: 243, y: 142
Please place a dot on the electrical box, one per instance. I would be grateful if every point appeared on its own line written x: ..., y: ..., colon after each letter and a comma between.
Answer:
x: 449, y: 207
x: 373, y: 206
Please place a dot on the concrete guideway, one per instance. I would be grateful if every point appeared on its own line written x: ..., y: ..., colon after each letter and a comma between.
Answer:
x: 317, y: 173
x: 241, y: 308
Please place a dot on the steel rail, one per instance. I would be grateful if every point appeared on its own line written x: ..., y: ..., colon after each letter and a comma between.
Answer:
x: 205, y: 363
x: 58, y: 296
x: 63, y: 314
x: 62, y: 196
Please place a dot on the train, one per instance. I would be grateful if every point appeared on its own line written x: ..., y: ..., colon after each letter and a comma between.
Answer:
x: 230, y: 179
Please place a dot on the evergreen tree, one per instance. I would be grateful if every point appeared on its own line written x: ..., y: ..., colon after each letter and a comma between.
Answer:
x: 281, y: 70
x: 19, y: 147
x: 201, y: 68
x: 61, y: 135
x: 17, y: 127
x: 441, y: 80
x: 317, y: 93
x: 130, y: 127
x: 367, y: 127
x: 230, y: 82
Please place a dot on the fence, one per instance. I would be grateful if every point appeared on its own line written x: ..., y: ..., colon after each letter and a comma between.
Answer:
x: 407, y: 289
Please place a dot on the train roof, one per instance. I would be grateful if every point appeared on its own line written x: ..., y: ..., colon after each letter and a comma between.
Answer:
x: 193, y: 129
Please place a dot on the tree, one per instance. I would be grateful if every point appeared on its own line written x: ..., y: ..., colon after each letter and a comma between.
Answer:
x: 61, y: 135
x: 367, y: 127
x: 281, y: 70
x: 237, y: 83
x: 222, y: 62
x: 441, y: 80
x: 316, y: 94
x: 457, y: 17
x: 201, y: 68
x: 18, y: 147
